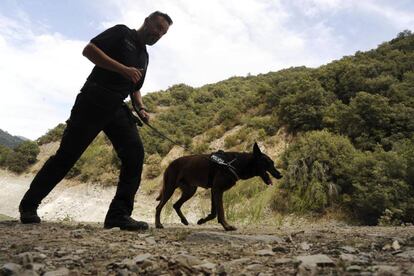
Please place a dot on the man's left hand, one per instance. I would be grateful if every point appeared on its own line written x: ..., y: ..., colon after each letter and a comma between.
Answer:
x: 144, y: 115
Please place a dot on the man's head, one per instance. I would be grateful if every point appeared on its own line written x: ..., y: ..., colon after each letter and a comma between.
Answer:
x: 155, y: 26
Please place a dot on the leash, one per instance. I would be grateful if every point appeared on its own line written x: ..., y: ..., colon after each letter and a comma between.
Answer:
x: 141, y: 121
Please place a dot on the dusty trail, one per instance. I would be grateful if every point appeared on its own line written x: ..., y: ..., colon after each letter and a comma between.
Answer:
x: 87, y: 249
x: 64, y: 246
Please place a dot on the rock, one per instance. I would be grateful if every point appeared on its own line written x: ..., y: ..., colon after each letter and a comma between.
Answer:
x: 305, y: 270
x: 410, y: 271
x: 60, y: 253
x: 409, y: 254
x: 150, y: 240
x: 255, y: 267
x: 10, y: 269
x: 305, y: 246
x: 122, y: 272
x: 395, y: 245
x: 59, y: 272
x: 187, y: 260
x: 282, y: 261
x: 386, y: 247
x: 265, y: 252
x: 207, y: 265
x: 280, y: 249
x: 315, y: 260
x: 29, y: 272
x: 77, y: 234
x: 129, y: 263
x: 354, y: 268
x: 139, y: 246
x: 349, y: 249
x: 265, y: 274
x: 237, y: 262
x: 362, y: 258
x: 347, y: 257
x: 385, y: 269
x: 39, y: 257
x: 215, y: 237
x: 141, y: 258
x: 37, y: 266
x: 221, y: 270
x: 25, y: 258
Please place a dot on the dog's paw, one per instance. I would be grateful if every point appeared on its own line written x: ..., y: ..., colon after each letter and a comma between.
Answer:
x: 230, y: 228
x: 200, y: 221
x: 159, y: 226
x: 184, y: 221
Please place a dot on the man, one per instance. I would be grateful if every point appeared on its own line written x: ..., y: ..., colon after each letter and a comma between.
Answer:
x: 121, y: 60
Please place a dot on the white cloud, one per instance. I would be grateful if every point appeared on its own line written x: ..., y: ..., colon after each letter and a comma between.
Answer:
x: 40, y: 75
x: 213, y: 40
x: 401, y: 19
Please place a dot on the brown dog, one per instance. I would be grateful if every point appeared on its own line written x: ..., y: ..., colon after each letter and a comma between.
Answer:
x: 190, y: 172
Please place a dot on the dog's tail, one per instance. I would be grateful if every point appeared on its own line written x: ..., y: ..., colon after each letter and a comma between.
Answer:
x: 163, y: 184
x: 161, y: 192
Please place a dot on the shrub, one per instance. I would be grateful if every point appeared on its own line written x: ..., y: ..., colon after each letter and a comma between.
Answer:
x: 215, y: 133
x: 317, y: 170
x: 96, y: 164
x: 228, y: 116
x: 28, y: 149
x: 378, y: 180
x: 52, y: 135
x: 153, y: 168
x: 304, y: 111
x: 200, y: 148
x: 21, y: 157
x: 267, y: 123
x: 4, y: 153
x: 370, y: 120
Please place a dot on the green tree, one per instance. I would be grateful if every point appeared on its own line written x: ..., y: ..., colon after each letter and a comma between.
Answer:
x: 4, y: 153
x: 304, y: 111
x: 378, y: 180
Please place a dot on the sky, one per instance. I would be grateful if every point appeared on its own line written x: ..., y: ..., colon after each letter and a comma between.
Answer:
x: 41, y: 42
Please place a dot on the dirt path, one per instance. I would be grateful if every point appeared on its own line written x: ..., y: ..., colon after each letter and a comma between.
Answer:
x: 67, y: 247
x: 86, y: 202
x: 87, y: 249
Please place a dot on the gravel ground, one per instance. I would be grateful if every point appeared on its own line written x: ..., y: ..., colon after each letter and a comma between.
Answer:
x: 68, y: 248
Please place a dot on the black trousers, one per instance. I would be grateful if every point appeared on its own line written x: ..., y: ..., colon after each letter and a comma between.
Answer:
x: 94, y: 110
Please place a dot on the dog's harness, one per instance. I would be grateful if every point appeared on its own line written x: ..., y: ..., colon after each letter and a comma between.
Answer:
x: 217, y: 161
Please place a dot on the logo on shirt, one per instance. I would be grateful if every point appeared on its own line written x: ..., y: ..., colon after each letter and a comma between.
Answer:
x: 130, y: 46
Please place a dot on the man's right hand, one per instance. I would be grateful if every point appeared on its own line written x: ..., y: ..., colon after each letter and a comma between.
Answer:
x: 132, y: 74
x: 99, y: 58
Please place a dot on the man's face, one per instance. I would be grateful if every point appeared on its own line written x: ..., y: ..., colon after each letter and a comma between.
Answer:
x: 155, y: 28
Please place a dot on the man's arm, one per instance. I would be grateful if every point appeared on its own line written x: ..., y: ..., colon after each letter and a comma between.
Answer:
x: 99, y: 58
x: 136, y: 99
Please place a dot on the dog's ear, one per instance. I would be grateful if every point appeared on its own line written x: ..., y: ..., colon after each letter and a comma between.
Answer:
x: 256, y: 150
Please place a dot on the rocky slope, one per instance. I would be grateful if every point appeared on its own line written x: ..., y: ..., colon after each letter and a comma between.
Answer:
x: 87, y: 249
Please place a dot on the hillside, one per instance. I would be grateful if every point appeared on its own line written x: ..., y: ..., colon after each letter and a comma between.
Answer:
x: 9, y: 140
x: 342, y: 134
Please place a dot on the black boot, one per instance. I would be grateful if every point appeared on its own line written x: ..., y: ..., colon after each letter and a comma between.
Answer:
x: 28, y: 215
x: 125, y: 222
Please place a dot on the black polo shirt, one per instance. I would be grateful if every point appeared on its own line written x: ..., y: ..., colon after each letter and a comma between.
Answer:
x: 121, y: 44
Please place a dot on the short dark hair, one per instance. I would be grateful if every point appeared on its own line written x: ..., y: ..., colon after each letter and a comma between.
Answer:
x: 163, y: 15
